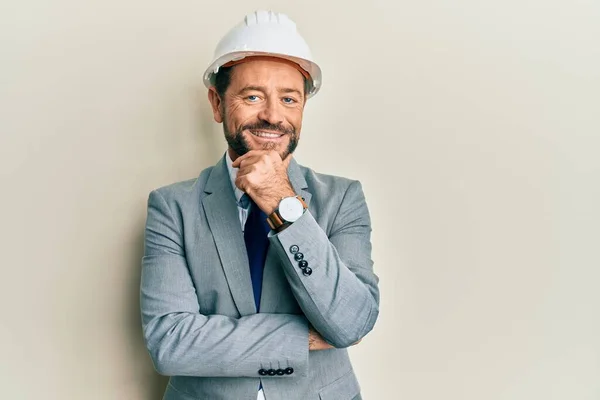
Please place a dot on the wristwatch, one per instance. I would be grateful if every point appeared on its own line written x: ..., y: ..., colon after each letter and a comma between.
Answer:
x: 290, y: 210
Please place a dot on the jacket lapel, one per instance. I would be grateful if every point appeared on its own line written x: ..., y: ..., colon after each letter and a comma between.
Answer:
x: 223, y: 219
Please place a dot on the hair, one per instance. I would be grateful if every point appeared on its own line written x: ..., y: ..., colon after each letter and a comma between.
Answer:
x: 222, y: 79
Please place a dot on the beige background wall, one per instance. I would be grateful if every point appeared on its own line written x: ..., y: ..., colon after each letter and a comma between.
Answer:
x: 474, y: 127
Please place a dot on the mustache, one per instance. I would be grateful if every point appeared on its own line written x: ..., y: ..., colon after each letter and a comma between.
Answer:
x: 264, y: 125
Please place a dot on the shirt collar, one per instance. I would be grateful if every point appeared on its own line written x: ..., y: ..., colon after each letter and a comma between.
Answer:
x: 232, y: 176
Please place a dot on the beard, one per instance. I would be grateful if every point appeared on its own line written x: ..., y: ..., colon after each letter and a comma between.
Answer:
x: 238, y: 143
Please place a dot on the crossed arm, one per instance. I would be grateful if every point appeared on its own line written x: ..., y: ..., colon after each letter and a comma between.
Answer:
x: 339, y: 299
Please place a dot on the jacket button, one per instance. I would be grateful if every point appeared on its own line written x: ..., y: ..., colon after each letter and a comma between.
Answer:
x: 294, y: 249
x: 262, y: 372
x: 299, y: 256
x: 271, y: 372
x: 280, y: 372
x: 289, y: 371
x: 303, y: 264
x: 307, y: 271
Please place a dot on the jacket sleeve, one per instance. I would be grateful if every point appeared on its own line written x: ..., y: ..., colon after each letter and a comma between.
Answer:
x: 181, y: 341
x: 340, y: 297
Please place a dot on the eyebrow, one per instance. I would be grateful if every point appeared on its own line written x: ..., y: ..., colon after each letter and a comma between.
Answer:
x: 264, y: 90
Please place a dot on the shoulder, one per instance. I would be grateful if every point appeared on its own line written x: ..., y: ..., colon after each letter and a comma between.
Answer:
x: 182, y: 191
x: 333, y: 195
x: 335, y: 201
x: 332, y: 185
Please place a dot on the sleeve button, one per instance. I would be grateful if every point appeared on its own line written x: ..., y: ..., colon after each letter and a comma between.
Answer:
x: 289, y: 371
x: 299, y: 256
x: 262, y: 372
x: 294, y: 249
x: 307, y: 271
x: 280, y: 372
x: 271, y: 372
x: 303, y: 264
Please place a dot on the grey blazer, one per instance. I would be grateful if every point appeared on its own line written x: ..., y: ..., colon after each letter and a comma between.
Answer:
x: 199, y: 319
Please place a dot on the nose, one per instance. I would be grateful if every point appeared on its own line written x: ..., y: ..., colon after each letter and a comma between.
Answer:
x: 271, y: 112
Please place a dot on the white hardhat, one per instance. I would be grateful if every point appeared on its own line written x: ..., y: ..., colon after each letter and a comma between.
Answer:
x: 265, y: 33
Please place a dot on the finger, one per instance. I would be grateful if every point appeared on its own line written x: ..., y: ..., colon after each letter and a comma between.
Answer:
x: 263, y: 162
x: 252, y: 174
x: 249, y: 155
x: 241, y: 183
x: 245, y: 171
x: 250, y: 161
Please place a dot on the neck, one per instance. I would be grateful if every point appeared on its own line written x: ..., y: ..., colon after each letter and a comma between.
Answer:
x: 232, y: 154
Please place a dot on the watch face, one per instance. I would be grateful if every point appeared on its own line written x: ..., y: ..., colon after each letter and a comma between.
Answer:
x: 290, y: 209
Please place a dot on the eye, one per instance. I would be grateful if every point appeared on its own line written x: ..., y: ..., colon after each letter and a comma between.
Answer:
x: 253, y: 98
x: 288, y: 100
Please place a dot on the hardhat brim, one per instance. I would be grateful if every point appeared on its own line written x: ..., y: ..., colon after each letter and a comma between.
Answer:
x: 313, y: 70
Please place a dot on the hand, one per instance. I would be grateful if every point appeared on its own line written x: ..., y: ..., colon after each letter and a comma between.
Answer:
x: 263, y: 176
x: 316, y: 341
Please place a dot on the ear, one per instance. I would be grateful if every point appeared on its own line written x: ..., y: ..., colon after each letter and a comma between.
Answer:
x: 216, y: 103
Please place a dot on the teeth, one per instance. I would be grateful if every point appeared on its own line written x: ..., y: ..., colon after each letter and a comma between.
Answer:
x: 266, y: 135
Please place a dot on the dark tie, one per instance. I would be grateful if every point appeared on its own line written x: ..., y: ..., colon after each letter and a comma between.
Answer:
x: 257, y: 243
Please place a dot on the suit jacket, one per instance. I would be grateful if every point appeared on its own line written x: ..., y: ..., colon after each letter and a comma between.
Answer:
x: 199, y: 318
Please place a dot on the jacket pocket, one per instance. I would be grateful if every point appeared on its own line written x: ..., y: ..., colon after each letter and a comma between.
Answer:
x: 344, y: 388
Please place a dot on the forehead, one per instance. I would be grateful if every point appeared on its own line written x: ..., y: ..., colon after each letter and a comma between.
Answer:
x: 266, y: 73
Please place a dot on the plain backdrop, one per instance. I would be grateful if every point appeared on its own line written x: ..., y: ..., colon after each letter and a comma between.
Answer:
x: 473, y: 126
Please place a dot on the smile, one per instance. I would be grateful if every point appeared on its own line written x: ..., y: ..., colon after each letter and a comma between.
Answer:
x: 266, y: 135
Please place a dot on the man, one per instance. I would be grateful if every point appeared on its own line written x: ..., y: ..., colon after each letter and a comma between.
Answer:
x: 257, y: 275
